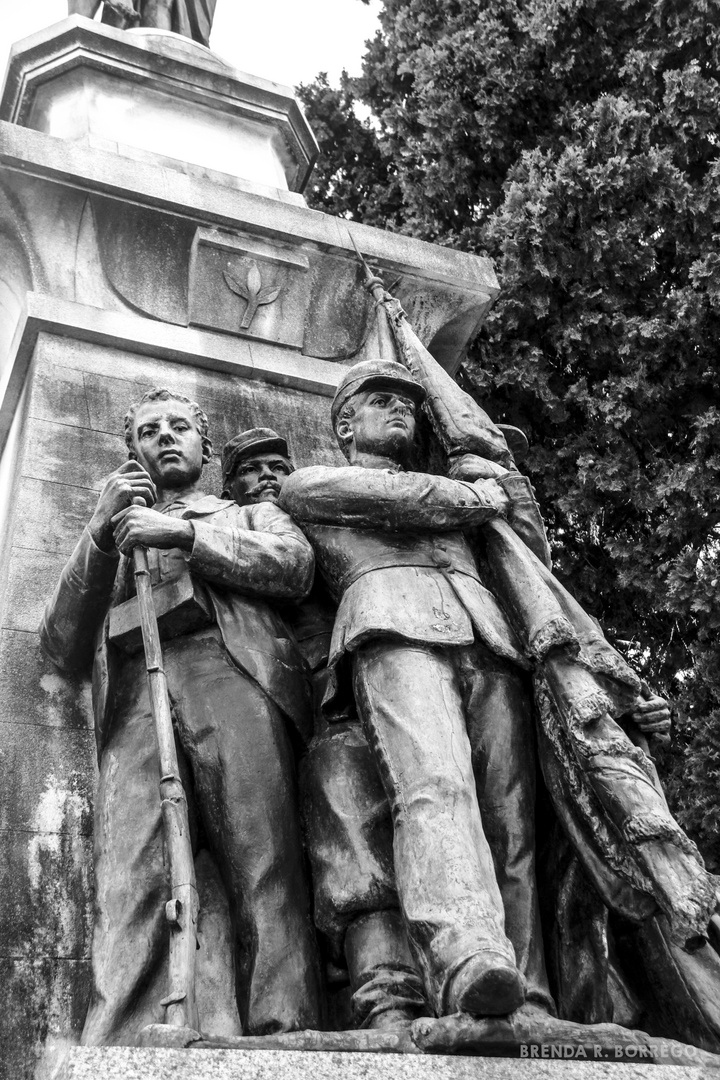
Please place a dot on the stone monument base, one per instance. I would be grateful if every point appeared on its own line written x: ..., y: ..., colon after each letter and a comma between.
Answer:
x: 528, y: 1034
x: 130, y: 1063
x: 452, y: 1048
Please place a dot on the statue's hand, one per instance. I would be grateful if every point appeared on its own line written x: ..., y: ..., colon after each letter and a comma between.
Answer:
x: 471, y: 467
x: 651, y: 715
x: 140, y: 526
x: 121, y: 489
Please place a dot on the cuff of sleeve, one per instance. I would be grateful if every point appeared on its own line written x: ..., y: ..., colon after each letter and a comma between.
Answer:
x: 201, y: 551
x: 516, y: 486
x: 98, y: 553
x: 89, y: 566
x: 496, y: 500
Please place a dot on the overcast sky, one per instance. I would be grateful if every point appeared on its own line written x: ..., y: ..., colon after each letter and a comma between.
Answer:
x: 288, y: 41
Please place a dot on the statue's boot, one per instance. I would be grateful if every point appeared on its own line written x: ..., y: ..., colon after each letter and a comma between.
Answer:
x: 387, y: 987
x: 486, y: 984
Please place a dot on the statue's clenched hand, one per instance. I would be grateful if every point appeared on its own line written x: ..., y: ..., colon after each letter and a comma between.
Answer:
x: 651, y: 715
x: 139, y: 525
x: 122, y: 488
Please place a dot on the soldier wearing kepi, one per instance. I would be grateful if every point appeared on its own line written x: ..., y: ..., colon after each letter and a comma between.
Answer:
x: 347, y: 816
x: 439, y: 686
x: 237, y: 688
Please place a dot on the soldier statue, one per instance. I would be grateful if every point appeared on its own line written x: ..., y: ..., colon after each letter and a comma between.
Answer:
x: 438, y: 681
x: 448, y: 681
x: 240, y: 702
x: 348, y: 831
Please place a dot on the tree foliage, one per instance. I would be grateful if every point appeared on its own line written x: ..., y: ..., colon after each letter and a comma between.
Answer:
x: 576, y: 143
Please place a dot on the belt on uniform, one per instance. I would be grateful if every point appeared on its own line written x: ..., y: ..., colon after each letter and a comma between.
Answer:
x: 403, y: 558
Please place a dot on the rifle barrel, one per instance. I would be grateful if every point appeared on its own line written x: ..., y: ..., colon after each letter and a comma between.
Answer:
x: 183, y: 907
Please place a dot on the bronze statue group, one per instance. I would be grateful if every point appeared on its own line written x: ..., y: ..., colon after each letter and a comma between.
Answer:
x: 416, y: 762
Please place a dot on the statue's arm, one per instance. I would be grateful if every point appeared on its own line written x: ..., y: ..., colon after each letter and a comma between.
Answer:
x: 273, y: 558
x: 380, y: 499
x: 83, y: 594
x: 78, y: 605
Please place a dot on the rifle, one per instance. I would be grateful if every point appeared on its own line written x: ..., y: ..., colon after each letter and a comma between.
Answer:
x: 181, y: 911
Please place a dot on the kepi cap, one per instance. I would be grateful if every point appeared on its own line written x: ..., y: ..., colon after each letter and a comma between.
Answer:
x: 258, y: 440
x: 378, y: 374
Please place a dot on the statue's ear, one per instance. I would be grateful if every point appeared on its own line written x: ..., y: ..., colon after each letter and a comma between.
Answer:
x: 206, y: 450
x: 344, y: 432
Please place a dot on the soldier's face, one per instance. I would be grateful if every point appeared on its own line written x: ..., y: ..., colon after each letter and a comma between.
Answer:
x: 259, y: 478
x: 168, y: 443
x: 384, y: 423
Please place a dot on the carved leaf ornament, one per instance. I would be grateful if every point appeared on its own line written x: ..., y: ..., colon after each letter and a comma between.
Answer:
x: 252, y: 292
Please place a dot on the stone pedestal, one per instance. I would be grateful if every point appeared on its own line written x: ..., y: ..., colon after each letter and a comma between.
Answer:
x: 143, y: 185
x: 129, y: 1064
x: 155, y: 96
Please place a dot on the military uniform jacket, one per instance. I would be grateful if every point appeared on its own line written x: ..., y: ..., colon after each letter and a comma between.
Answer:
x: 390, y: 546
x: 244, y: 556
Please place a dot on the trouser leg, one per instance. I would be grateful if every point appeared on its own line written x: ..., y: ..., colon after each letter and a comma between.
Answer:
x: 348, y: 830
x: 409, y: 701
x: 243, y: 767
x: 387, y: 986
x: 130, y: 931
x: 349, y: 842
x: 498, y: 711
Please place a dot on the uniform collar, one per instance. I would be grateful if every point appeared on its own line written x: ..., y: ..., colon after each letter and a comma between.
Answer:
x: 206, y: 504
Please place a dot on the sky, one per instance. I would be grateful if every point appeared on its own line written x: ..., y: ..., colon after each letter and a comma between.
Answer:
x: 287, y: 41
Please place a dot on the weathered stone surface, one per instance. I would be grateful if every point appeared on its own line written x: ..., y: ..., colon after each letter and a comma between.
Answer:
x: 45, y: 886
x: 31, y: 579
x: 168, y: 354
x: 46, y: 778
x: 42, y: 1016
x: 58, y: 393
x: 94, y: 84
x: 51, y: 516
x: 15, y: 280
x: 205, y: 200
x: 145, y: 258
x: 70, y: 455
x: 446, y: 294
x: 131, y: 1064
x: 113, y: 378
x: 34, y: 692
x: 222, y: 295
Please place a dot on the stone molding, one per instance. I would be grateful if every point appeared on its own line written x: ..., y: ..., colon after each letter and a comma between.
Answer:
x: 77, y: 80
x: 209, y: 203
x: 446, y: 293
x: 182, y: 345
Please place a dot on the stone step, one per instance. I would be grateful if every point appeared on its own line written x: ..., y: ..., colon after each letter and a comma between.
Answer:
x: 130, y: 1063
